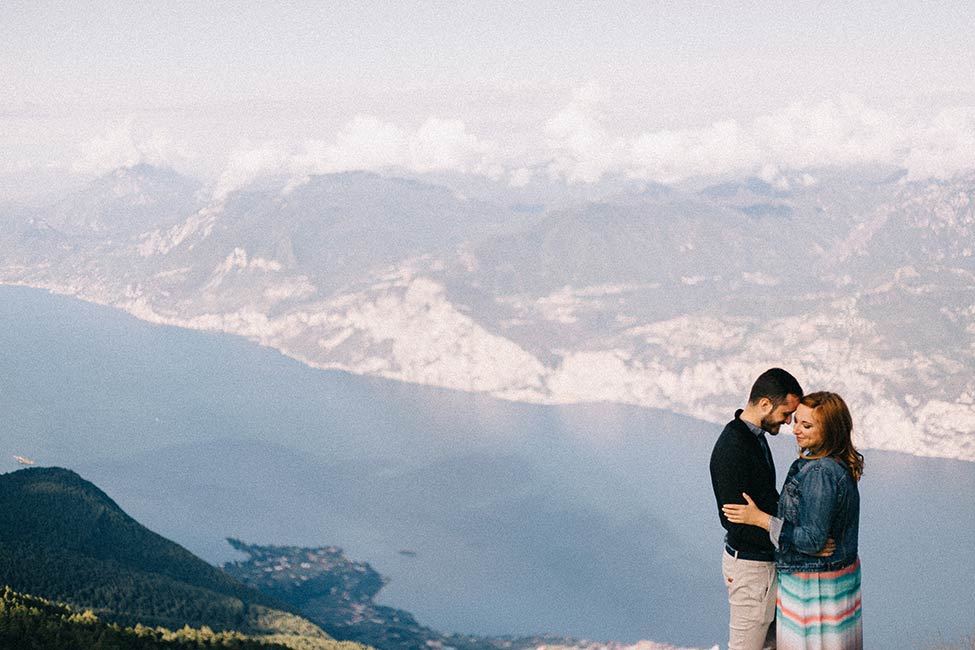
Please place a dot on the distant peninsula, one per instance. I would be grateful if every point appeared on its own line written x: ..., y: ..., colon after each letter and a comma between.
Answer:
x: 337, y: 594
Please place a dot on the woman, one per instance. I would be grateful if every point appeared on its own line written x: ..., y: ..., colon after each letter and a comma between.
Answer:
x: 819, y: 597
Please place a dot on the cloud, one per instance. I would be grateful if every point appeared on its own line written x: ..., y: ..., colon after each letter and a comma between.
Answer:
x: 247, y: 164
x: 670, y: 156
x: 577, y: 144
x: 125, y: 146
x: 365, y: 142
x: 943, y: 147
x: 441, y: 145
x: 842, y: 132
x: 520, y: 177
x: 582, y: 149
x: 839, y: 132
x: 368, y: 143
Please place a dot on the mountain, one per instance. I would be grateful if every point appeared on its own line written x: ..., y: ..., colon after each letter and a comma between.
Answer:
x: 63, y: 539
x: 126, y: 202
x: 857, y: 280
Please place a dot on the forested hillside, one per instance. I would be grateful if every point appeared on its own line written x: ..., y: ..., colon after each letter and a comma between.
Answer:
x: 63, y: 539
x: 30, y: 623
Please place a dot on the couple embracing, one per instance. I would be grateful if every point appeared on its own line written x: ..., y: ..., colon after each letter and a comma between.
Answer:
x: 790, y: 561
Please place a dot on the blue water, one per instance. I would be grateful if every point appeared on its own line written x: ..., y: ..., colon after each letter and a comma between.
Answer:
x: 590, y: 520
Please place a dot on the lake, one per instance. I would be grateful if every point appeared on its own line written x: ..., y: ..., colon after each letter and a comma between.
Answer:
x: 593, y: 520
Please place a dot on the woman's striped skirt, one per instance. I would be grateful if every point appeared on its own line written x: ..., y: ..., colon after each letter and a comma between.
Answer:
x: 820, y: 611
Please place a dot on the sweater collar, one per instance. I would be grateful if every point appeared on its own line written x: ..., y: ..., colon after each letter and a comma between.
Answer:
x: 757, y: 431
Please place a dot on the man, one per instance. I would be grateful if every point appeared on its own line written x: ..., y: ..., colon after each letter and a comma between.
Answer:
x: 742, y: 463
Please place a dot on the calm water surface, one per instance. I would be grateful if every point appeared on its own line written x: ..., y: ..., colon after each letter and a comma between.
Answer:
x: 591, y: 520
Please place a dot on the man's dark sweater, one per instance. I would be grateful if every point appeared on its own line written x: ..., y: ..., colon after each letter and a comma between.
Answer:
x: 739, y: 464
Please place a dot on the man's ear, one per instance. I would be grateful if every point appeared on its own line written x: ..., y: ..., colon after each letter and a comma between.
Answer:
x: 765, y: 405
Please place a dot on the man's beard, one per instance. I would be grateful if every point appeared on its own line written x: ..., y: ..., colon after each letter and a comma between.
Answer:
x: 770, y: 428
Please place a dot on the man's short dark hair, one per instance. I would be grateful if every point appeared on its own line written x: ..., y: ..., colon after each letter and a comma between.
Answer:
x: 775, y: 384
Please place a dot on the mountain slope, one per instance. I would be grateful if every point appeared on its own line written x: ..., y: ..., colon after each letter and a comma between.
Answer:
x: 39, y: 624
x: 859, y: 281
x: 64, y: 539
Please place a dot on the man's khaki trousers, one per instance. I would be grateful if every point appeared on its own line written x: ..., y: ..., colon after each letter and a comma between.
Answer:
x: 751, y: 596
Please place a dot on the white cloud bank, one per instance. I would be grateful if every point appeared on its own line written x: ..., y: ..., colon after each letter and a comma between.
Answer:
x: 944, y: 146
x: 125, y: 146
x: 249, y: 163
x: 578, y: 144
x: 836, y: 132
x: 367, y: 143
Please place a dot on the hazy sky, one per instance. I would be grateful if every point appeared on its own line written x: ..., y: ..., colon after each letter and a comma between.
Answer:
x: 570, y: 89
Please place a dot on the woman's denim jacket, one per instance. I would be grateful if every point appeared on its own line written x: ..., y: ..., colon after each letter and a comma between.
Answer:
x: 819, y: 500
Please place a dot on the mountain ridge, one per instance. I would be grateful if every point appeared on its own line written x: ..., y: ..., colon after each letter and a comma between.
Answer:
x: 863, y: 286
x: 64, y: 539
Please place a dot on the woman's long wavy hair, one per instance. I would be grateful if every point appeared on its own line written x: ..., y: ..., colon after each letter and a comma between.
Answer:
x: 836, y: 422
